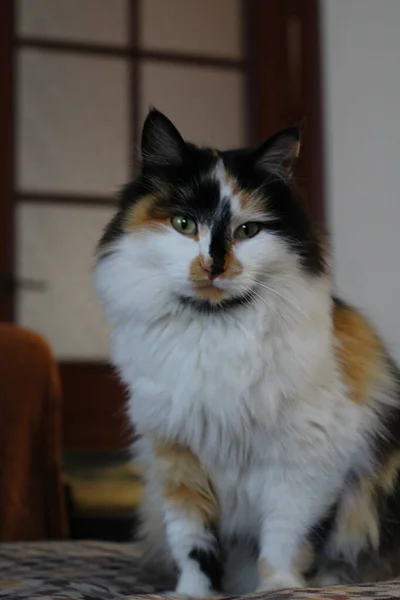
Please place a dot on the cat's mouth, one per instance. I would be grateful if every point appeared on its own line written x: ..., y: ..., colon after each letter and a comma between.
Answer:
x: 208, y: 291
x: 213, y: 300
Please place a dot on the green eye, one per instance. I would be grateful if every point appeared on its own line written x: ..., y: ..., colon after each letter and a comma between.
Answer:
x: 184, y: 225
x: 247, y: 230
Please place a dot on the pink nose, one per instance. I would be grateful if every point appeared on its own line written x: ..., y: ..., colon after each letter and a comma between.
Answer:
x: 213, y: 273
x: 211, y: 270
x: 208, y: 269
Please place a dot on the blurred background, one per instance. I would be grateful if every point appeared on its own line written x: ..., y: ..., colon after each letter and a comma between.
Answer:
x: 77, y: 78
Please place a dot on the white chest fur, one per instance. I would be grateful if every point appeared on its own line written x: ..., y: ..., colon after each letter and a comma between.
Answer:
x: 266, y: 414
x: 236, y: 391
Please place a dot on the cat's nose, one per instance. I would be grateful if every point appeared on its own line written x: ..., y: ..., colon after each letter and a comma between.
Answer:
x: 211, y: 275
x: 213, y: 270
x: 208, y: 270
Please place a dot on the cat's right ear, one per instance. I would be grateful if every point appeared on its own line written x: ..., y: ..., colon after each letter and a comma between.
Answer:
x: 162, y: 144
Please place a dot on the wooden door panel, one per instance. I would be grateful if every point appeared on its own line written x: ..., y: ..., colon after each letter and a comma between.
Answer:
x: 7, y: 287
x: 285, y: 83
x: 94, y: 415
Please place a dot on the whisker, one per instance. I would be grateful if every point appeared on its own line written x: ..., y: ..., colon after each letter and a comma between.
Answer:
x: 285, y: 321
x: 271, y: 289
x: 276, y: 313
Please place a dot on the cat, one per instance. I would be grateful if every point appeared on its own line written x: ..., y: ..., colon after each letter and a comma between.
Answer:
x: 268, y: 410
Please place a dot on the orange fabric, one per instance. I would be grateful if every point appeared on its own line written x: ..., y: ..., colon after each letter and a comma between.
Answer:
x: 31, y: 493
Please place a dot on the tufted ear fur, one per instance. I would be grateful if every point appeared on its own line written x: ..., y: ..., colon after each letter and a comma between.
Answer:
x: 279, y: 153
x: 162, y: 144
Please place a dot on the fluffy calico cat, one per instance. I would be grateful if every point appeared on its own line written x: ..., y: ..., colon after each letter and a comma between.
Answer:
x: 268, y: 410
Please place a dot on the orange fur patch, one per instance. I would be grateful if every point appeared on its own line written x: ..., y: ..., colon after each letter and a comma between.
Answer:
x: 185, y: 484
x: 139, y: 215
x: 202, y: 285
x: 358, y: 519
x: 194, y: 501
x: 251, y: 203
x: 388, y: 473
x: 360, y: 356
x: 359, y: 352
x: 248, y: 200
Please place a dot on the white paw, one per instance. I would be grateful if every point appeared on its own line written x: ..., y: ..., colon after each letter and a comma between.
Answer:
x: 280, y: 583
x: 193, y: 584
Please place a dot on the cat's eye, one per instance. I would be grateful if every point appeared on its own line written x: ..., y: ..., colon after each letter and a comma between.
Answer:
x: 184, y: 225
x: 247, y: 230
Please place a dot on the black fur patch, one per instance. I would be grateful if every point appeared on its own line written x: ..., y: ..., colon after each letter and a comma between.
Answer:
x: 210, y: 563
x: 389, y: 519
x: 319, y: 536
x: 385, y: 446
x: 390, y: 442
x: 220, y: 240
x: 205, y: 307
x: 191, y: 193
x: 111, y: 233
x: 130, y: 194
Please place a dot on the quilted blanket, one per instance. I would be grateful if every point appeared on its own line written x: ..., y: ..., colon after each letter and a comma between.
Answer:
x: 108, y: 571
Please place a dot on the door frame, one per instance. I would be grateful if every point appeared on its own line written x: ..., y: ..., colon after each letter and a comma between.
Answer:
x: 282, y: 46
x: 7, y: 288
x: 285, y: 83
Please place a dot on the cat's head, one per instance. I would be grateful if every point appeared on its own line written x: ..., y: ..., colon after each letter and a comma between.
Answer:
x: 206, y: 228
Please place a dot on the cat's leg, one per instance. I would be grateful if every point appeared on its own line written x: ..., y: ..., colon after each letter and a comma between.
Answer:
x: 364, y: 522
x: 240, y: 567
x: 190, y: 513
x: 329, y: 577
x: 285, y: 554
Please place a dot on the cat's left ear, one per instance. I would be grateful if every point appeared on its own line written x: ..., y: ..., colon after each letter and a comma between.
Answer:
x: 280, y: 152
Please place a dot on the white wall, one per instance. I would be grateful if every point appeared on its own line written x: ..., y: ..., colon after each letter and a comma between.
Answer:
x: 361, y: 59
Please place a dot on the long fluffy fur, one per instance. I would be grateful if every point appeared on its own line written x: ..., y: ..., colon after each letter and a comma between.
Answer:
x: 268, y: 409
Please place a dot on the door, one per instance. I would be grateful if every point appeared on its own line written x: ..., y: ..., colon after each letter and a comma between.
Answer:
x: 79, y: 76
x: 6, y: 162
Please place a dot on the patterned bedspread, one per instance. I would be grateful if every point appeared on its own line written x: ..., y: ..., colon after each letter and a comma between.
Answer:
x: 105, y: 571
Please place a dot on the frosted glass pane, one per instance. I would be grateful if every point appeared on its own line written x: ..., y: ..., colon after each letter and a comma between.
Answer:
x: 207, y: 105
x: 199, y: 26
x: 55, y: 244
x: 72, y: 123
x: 94, y: 21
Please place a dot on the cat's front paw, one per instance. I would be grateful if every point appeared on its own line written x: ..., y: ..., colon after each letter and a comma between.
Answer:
x: 281, y: 582
x: 193, y: 585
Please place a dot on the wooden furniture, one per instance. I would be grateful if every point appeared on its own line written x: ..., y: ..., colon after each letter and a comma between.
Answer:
x: 32, y: 495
